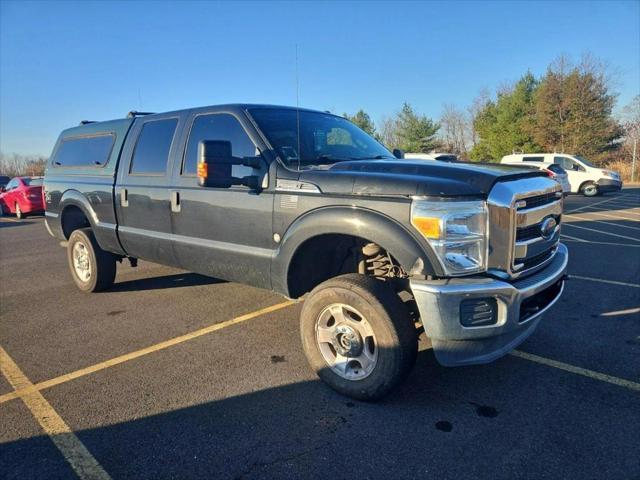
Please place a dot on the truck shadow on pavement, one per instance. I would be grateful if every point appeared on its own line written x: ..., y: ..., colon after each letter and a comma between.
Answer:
x: 305, y: 430
x: 14, y: 223
x: 167, y: 281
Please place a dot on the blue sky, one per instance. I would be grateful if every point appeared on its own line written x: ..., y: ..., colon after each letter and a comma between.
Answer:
x: 61, y: 62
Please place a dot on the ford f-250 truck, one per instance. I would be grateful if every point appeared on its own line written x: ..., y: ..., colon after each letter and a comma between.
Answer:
x: 306, y: 204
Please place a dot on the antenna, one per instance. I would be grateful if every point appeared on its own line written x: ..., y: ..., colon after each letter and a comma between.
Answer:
x: 298, y: 108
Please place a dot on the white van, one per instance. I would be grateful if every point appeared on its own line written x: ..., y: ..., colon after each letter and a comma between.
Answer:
x: 584, y: 177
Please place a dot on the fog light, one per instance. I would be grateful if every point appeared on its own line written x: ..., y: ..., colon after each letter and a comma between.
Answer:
x: 478, y: 312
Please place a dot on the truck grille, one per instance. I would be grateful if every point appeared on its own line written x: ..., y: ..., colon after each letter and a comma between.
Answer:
x: 524, y: 225
x: 538, y: 200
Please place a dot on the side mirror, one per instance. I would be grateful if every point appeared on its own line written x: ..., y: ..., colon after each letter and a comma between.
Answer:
x: 215, y: 162
x: 398, y: 153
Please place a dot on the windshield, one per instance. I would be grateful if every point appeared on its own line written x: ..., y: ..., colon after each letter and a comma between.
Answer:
x: 33, y: 182
x: 584, y: 160
x: 324, y: 139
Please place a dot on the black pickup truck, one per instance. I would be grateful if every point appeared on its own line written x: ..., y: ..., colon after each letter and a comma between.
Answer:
x: 306, y: 204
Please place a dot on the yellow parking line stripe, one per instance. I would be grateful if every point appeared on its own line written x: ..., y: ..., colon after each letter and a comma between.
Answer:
x: 139, y: 353
x: 72, y: 449
x: 602, y: 280
x: 601, y: 231
x: 621, y: 382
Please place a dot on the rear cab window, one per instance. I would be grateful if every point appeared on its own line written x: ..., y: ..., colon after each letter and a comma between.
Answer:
x: 153, y: 146
x: 86, y: 151
x: 533, y: 159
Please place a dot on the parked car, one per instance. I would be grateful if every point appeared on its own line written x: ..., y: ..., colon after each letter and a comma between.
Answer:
x: 3, y: 181
x: 442, y: 157
x: 584, y: 177
x: 306, y: 204
x: 554, y: 171
x: 22, y: 196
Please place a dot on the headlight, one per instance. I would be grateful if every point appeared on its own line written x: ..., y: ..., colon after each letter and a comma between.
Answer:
x: 457, y: 232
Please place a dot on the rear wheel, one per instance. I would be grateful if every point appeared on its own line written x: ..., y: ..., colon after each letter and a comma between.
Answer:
x: 590, y: 189
x: 92, y: 268
x: 19, y: 213
x: 358, y: 336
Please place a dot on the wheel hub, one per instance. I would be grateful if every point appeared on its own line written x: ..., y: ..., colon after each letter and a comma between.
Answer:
x: 81, y: 262
x: 347, y: 341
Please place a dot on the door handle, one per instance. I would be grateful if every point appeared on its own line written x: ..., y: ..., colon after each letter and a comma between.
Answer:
x: 124, y: 198
x: 175, y: 201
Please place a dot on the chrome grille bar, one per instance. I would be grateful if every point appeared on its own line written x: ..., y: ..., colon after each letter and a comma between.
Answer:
x: 515, y: 208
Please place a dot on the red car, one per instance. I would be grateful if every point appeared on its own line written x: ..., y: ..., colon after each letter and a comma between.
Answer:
x: 22, y: 196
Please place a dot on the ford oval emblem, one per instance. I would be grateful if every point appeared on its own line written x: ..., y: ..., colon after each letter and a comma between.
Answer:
x: 548, y: 227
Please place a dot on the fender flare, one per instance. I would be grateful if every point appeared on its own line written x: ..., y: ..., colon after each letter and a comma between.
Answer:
x: 415, y: 256
x: 77, y: 199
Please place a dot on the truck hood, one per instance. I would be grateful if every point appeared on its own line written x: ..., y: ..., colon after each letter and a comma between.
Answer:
x: 412, y: 177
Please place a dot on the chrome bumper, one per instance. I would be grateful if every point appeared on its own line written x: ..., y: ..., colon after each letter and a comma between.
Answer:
x: 454, y: 344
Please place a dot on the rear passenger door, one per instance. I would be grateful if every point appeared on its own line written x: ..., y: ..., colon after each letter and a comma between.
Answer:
x: 222, y: 232
x: 143, y: 200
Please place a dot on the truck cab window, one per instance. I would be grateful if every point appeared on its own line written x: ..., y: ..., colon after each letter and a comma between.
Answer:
x: 219, y: 126
x: 152, y: 148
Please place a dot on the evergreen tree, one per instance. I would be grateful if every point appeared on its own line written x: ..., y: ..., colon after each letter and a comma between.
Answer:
x: 362, y: 120
x: 573, y: 110
x: 506, y: 124
x: 415, y: 133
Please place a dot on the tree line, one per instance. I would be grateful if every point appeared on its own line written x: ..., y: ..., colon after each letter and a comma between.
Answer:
x: 569, y: 109
x: 16, y: 165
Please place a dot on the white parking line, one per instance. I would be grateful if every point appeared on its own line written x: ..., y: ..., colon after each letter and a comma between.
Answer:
x: 621, y: 382
x: 607, y: 215
x: 592, y: 205
x: 600, y: 231
x: 602, y: 280
x: 628, y: 311
x: 617, y: 212
x: 600, y: 221
x: 568, y: 238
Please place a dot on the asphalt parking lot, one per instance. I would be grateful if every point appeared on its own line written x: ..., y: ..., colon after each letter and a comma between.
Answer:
x: 175, y: 375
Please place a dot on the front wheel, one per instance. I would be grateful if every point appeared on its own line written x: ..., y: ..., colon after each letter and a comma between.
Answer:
x: 358, y: 336
x: 590, y: 189
x: 92, y: 268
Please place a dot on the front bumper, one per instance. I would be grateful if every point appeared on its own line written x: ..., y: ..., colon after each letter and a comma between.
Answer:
x: 609, y: 185
x: 520, y: 306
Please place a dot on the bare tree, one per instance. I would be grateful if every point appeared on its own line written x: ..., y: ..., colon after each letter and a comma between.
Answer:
x: 15, y: 165
x: 455, y: 130
x: 388, y: 132
x: 477, y: 105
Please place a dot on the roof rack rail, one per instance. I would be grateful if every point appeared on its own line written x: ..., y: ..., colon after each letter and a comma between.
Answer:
x: 86, y: 122
x: 135, y: 113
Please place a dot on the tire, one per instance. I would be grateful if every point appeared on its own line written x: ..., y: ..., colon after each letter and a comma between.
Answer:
x: 362, y: 305
x: 589, y: 189
x: 19, y: 214
x: 92, y: 269
x: 1, y: 211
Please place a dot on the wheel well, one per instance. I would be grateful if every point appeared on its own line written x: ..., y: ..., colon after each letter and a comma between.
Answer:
x: 72, y: 219
x: 326, y: 256
x: 586, y: 182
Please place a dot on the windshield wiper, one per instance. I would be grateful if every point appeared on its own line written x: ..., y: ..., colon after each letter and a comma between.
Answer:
x: 325, y: 158
x: 377, y: 157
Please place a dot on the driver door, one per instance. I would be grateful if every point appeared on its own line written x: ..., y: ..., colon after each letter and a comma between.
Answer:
x: 222, y: 232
